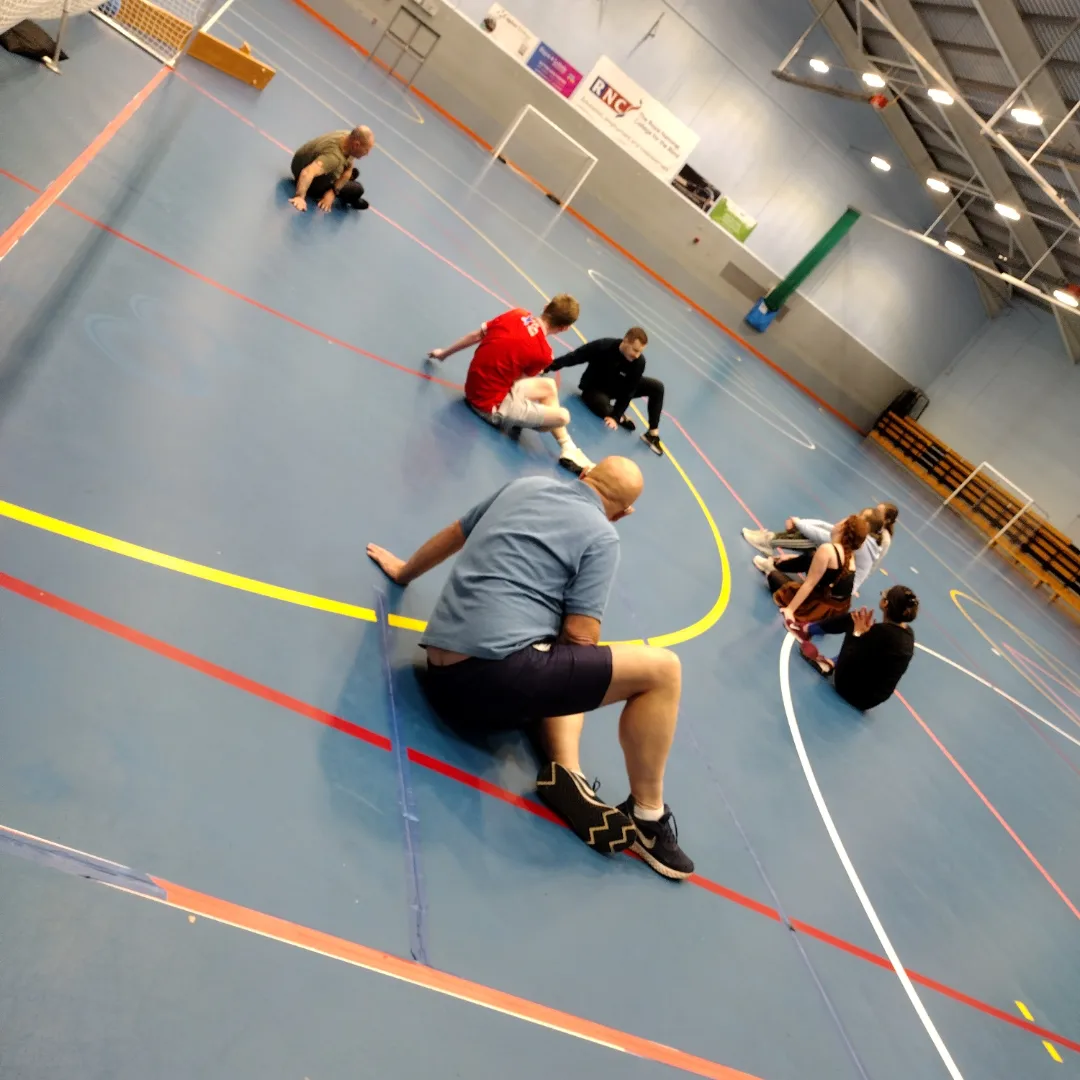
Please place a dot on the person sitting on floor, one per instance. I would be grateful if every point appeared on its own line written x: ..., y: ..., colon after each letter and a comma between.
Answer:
x: 513, y: 640
x: 874, y: 656
x: 807, y: 534
x: 502, y: 385
x: 614, y: 376
x: 323, y: 169
x: 830, y: 576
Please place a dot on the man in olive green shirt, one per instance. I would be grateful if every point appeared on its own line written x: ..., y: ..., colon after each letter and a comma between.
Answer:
x: 323, y: 169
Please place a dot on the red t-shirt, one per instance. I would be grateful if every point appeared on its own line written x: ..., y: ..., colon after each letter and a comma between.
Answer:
x: 514, y: 347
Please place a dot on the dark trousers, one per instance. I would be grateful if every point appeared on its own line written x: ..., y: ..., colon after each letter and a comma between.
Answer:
x: 797, y: 564
x: 651, y: 389
x: 350, y: 194
x: 838, y: 624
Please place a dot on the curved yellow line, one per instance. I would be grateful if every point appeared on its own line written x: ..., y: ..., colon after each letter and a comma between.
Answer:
x: 292, y: 596
x: 1049, y: 657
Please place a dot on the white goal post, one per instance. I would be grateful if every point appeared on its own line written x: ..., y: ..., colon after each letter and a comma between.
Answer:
x: 564, y: 198
x: 986, y: 467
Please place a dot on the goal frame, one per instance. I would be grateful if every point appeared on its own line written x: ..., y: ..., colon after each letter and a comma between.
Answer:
x: 213, y: 11
x: 590, y: 158
x: 986, y: 467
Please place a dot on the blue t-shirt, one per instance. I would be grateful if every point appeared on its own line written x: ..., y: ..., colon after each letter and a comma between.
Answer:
x: 536, y: 551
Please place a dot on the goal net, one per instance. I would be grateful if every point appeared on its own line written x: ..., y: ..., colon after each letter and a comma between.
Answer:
x: 163, y: 28
x: 539, y: 149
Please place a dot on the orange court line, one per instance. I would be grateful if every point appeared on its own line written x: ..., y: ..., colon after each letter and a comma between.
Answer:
x: 36, y: 210
x: 738, y: 338
x: 428, y: 978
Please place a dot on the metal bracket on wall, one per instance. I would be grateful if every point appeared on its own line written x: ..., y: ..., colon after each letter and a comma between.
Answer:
x: 413, y: 38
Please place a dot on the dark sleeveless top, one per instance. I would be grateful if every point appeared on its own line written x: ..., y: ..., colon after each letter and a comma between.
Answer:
x: 837, y: 583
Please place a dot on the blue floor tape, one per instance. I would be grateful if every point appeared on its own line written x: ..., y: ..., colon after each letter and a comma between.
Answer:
x: 57, y: 857
x: 410, y: 818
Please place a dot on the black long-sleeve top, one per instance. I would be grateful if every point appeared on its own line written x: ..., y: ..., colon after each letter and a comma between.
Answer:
x: 608, y: 371
x: 869, y: 667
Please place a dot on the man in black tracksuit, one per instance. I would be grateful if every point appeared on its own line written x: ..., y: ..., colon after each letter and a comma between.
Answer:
x: 615, y: 375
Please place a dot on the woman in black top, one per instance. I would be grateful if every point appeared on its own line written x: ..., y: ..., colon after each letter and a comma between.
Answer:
x: 873, y: 658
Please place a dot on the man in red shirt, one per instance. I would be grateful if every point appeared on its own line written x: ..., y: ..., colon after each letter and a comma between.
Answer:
x: 502, y: 384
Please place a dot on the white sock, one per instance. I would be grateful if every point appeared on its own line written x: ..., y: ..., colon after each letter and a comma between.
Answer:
x: 644, y: 813
x: 565, y: 442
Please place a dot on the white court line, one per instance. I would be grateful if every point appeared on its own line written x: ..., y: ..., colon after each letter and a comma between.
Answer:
x: 998, y: 690
x: 853, y: 877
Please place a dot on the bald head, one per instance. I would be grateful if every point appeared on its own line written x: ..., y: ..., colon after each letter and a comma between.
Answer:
x: 361, y: 141
x: 618, y: 481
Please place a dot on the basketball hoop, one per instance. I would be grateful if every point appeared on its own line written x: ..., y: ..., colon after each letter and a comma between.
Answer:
x: 879, y: 101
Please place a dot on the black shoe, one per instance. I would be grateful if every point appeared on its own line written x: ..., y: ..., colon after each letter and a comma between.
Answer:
x: 605, y: 828
x: 653, y: 443
x: 657, y: 843
x: 627, y: 424
x: 361, y: 204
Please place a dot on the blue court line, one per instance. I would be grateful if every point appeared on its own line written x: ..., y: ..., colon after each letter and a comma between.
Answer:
x: 410, y: 818
x: 78, y: 863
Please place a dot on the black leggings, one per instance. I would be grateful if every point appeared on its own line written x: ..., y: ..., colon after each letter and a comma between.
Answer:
x: 350, y: 194
x: 837, y: 624
x: 797, y: 564
x: 599, y: 402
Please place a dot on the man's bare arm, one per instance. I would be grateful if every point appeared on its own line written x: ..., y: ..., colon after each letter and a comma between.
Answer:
x: 438, y: 549
x: 303, y: 181
x: 464, y: 343
x: 579, y: 630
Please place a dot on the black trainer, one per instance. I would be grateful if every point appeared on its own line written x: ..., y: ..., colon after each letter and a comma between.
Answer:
x: 653, y: 443
x: 605, y: 828
x: 657, y: 843
x: 627, y: 424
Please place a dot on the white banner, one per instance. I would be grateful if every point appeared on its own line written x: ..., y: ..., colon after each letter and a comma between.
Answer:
x: 509, y: 33
x: 637, y: 122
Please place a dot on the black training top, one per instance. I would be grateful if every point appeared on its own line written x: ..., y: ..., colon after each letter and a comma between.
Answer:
x: 870, y: 667
x: 609, y: 372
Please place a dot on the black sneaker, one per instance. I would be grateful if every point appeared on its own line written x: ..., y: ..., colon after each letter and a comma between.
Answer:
x: 657, y: 843
x: 361, y: 204
x: 605, y: 828
x: 627, y: 424
x: 653, y: 443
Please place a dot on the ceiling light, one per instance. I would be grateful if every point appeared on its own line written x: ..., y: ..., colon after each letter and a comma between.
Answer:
x: 1027, y: 116
x: 872, y: 78
x: 1007, y: 211
x: 942, y: 97
x: 954, y: 247
x: 1066, y: 298
x: 880, y: 163
x: 819, y: 66
x: 934, y: 184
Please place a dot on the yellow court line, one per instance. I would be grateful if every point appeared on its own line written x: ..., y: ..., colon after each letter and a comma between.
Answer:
x: 181, y: 566
x: 1044, y: 654
x: 337, y: 607
x: 1025, y: 1012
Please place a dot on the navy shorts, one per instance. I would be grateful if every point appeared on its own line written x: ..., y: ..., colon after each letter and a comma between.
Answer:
x: 536, y: 682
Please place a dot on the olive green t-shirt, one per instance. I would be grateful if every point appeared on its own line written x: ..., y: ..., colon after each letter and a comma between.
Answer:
x: 327, y: 149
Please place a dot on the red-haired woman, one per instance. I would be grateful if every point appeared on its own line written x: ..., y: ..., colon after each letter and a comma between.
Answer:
x: 830, y: 576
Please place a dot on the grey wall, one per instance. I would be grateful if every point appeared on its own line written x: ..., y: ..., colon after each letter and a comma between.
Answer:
x: 883, y: 311
x: 786, y: 155
x: 1013, y: 398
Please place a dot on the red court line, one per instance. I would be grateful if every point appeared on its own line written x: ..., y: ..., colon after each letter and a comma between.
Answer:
x: 446, y: 115
x: 237, y: 295
x: 378, y: 213
x: 441, y: 982
x: 990, y: 806
x: 451, y: 772
x: 719, y: 476
x: 33, y: 213
x: 190, y: 660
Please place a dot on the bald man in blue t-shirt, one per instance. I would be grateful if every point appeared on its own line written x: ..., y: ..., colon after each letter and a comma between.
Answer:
x: 514, y: 639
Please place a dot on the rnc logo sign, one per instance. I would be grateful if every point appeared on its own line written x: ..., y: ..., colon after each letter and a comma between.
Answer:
x: 611, y: 97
